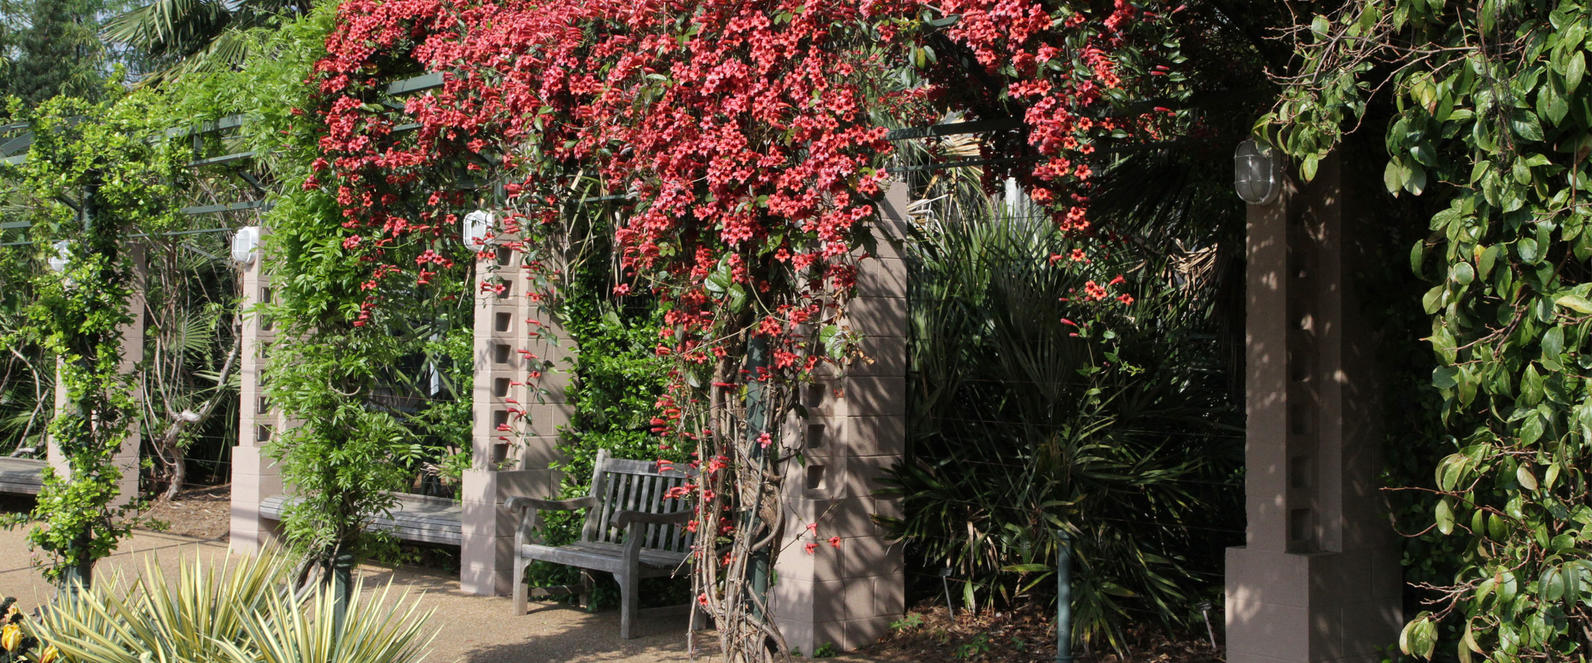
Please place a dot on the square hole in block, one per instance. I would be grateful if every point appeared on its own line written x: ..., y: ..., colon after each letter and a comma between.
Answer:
x: 504, y: 255
x: 500, y: 453
x: 1300, y: 472
x: 815, y: 476
x: 265, y: 406
x: 500, y: 418
x: 262, y: 433
x: 814, y: 395
x: 1299, y: 422
x: 501, y: 321
x: 1301, y: 529
x: 815, y: 436
x: 501, y: 353
x: 265, y: 295
x: 500, y: 387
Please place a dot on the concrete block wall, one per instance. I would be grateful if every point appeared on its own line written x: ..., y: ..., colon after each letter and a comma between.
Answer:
x: 519, y: 403
x: 1319, y: 579
x: 254, y: 475
x: 855, y: 430
x: 126, y: 457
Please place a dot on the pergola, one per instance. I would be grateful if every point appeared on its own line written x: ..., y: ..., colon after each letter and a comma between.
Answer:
x: 1319, y: 578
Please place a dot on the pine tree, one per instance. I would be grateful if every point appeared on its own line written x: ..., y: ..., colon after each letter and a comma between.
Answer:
x: 51, y: 47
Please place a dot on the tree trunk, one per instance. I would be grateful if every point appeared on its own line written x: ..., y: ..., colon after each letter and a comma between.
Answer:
x: 168, y: 447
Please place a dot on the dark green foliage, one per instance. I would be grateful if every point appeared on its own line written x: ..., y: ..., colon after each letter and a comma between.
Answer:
x: 1031, y: 414
x: 27, y: 376
x: 1491, y: 125
x: 90, y: 184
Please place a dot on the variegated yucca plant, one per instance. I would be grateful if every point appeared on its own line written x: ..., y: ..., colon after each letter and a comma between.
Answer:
x: 243, y: 611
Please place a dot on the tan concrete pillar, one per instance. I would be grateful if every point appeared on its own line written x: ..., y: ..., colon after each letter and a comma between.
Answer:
x: 1319, y: 578
x: 254, y: 475
x: 126, y: 457
x: 855, y: 430
x: 522, y: 368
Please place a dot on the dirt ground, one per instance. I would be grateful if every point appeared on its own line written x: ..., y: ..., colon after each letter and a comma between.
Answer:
x: 201, y: 513
x: 929, y: 633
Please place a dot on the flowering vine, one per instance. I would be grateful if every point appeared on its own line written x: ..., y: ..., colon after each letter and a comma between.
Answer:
x: 743, y: 144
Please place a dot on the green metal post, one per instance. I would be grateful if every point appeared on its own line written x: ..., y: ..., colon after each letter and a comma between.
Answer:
x: 1063, y: 597
x: 756, y: 425
x: 342, y: 589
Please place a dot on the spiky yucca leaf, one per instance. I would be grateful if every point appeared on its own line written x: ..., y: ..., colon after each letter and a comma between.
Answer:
x: 168, y: 619
x: 292, y: 631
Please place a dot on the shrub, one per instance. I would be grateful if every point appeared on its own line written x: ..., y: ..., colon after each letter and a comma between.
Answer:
x: 1032, y: 414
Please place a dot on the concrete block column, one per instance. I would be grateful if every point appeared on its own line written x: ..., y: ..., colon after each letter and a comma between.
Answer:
x: 132, y: 333
x: 522, y: 360
x: 254, y: 475
x: 855, y: 430
x: 1319, y: 578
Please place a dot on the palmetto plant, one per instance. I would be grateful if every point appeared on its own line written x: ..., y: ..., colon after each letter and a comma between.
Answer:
x: 244, y: 611
x: 182, y: 36
x: 1035, y: 414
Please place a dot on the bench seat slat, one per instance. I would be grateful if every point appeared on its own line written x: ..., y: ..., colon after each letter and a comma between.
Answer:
x: 432, y: 523
x: 603, y: 557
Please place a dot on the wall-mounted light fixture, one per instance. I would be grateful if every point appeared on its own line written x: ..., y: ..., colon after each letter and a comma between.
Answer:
x: 246, y: 245
x: 62, y: 257
x: 1257, y: 172
x: 476, y: 225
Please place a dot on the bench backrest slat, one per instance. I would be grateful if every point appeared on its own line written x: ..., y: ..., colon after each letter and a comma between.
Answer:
x: 634, y: 485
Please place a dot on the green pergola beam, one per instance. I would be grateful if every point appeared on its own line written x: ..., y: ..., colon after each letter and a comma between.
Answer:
x: 228, y: 207
x: 225, y: 158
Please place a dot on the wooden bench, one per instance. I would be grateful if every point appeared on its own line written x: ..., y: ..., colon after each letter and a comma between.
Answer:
x: 631, y: 531
x: 23, y: 476
x: 416, y: 518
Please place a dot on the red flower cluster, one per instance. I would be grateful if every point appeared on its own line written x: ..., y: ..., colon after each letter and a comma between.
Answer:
x: 736, y: 132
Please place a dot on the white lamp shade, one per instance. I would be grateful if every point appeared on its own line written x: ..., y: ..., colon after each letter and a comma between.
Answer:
x: 62, y: 257
x: 245, y: 245
x: 475, y: 227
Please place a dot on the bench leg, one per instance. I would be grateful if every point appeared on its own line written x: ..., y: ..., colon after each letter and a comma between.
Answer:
x: 586, y: 586
x: 521, y: 590
x: 629, y: 603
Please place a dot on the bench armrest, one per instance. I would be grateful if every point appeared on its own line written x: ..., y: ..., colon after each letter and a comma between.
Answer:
x: 550, y: 505
x: 624, y: 518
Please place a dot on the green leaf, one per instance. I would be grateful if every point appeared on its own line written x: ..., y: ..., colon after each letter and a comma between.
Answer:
x: 1575, y: 303
x: 1531, y: 430
x: 1485, y: 263
x: 1525, y: 125
x: 1445, y: 517
x: 1462, y: 273
x: 1553, y: 342
x: 1525, y: 477
x: 1320, y: 25
x: 1526, y: 248
x: 1574, y: 69
x: 1445, y: 377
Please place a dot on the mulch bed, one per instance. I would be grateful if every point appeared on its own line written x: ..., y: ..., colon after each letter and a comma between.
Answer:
x: 929, y: 633
x: 204, y: 513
